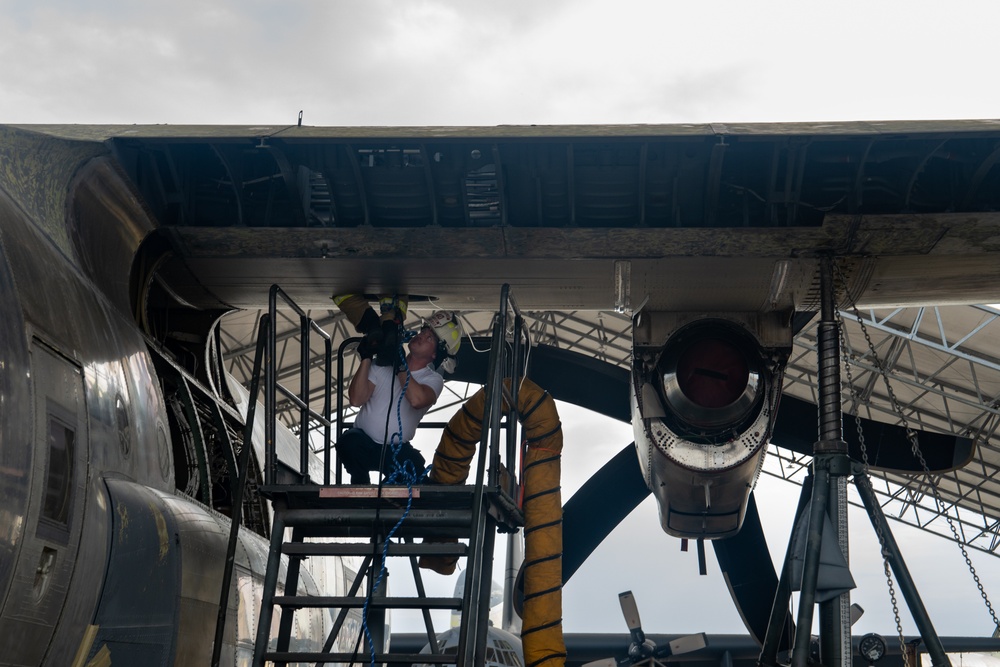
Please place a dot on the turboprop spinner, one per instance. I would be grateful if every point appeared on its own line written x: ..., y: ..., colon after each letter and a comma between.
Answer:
x: 642, y: 650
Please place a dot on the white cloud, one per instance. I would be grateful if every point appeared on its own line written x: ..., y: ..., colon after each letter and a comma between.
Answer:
x: 451, y: 62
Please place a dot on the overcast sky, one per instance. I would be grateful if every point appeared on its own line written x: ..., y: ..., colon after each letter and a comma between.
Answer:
x: 554, y: 62
x: 376, y: 62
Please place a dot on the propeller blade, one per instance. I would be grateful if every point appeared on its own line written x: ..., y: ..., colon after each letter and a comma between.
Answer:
x: 681, y: 645
x: 630, y: 610
x: 857, y: 611
x: 598, y: 506
x: 746, y: 564
x: 887, y: 444
x: 645, y: 652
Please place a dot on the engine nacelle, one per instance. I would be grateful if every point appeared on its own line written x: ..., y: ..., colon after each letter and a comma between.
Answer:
x: 705, y: 392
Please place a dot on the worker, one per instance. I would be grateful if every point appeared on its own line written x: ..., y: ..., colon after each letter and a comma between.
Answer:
x: 385, y: 425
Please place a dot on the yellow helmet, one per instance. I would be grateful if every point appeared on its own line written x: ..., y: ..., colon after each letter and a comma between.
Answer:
x: 447, y: 329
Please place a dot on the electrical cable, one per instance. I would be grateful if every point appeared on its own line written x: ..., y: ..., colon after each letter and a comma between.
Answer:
x: 402, y: 472
x: 365, y: 632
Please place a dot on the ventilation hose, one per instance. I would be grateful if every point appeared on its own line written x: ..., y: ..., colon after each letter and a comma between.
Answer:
x: 541, y: 634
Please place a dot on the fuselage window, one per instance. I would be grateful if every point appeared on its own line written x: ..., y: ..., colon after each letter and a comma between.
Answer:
x: 59, y: 473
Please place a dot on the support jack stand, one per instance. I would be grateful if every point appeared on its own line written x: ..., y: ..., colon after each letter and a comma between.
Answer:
x: 826, y: 488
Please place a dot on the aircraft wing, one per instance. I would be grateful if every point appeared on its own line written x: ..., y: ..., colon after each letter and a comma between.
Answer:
x: 685, y: 217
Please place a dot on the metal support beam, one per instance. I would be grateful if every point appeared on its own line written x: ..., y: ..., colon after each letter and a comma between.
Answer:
x: 810, y: 567
x: 829, y: 495
x: 779, y: 609
x: 891, y: 551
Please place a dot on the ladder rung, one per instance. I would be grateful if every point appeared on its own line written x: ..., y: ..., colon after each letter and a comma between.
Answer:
x: 380, y: 658
x: 296, y: 601
x: 362, y: 549
x: 308, y: 519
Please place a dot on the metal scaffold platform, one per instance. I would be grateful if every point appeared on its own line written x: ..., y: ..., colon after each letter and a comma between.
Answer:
x: 382, y: 524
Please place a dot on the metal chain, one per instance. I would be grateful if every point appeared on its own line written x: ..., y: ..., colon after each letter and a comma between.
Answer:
x: 915, y: 449
x: 895, y: 609
x: 855, y: 411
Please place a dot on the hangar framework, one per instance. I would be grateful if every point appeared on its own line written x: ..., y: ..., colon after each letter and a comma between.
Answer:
x: 937, y: 359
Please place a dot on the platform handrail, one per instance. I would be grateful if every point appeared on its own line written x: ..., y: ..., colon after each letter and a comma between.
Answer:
x: 265, y: 360
x: 243, y: 467
x: 302, y: 399
x: 338, y: 479
x: 504, y: 363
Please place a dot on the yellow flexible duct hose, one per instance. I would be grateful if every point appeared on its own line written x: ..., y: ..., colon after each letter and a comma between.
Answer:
x: 541, y: 633
x: 454, y: 454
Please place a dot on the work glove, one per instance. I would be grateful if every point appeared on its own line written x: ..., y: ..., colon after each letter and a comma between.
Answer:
x: 369, y: 322
x: 369, y: 345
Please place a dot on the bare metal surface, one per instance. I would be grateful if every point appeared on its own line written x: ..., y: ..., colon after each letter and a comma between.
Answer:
x: 101, y: 132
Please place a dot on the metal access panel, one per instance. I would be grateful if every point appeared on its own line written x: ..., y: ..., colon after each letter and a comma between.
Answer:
x: 138, y: 613
x: 54, y: 517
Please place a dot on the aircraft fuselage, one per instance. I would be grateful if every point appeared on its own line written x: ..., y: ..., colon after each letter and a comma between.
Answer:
x: 101, y: 548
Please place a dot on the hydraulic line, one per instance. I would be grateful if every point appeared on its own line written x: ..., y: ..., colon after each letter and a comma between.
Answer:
x: 541, y: 634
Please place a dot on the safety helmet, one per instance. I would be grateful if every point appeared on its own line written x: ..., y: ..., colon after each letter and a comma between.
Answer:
x: 447, y: 329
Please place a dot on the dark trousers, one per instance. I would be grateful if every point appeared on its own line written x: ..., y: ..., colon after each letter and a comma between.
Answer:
x: 359, y: 455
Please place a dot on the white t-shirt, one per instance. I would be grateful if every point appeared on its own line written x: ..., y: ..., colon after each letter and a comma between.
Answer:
x: 372, y: 417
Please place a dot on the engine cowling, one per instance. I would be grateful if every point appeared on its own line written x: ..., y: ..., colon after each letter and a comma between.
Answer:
x: 703, y: 407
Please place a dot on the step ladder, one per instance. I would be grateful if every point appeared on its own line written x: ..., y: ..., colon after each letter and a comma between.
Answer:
x: 396, y: 523
x: 436, y: 512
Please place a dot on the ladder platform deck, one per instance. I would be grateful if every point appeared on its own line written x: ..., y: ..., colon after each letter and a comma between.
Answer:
x: 365, y: 549
x: 380, y: 658
x: 440, y: 504
x: 323, y: 601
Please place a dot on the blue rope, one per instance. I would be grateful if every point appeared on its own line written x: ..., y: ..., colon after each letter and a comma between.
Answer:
x: 403, y: 472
